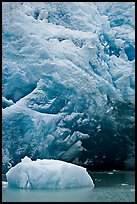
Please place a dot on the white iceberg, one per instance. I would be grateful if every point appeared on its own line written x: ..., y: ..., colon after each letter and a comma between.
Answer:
x: 4, y: 184
x: 48, y: 174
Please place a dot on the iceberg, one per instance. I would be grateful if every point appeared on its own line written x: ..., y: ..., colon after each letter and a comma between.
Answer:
x: 47, y: 174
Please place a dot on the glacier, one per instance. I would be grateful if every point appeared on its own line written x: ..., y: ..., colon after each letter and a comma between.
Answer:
x: 47, y: 174
x: 68, y: 83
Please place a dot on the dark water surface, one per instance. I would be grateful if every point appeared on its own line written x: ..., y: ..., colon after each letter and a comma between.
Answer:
x: 114, y: 186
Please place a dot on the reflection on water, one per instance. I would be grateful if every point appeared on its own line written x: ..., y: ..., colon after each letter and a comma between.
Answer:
x: 113, y: 186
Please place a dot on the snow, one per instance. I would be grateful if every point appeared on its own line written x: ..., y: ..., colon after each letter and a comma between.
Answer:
x: 65, y: 65
x: 48, y: 173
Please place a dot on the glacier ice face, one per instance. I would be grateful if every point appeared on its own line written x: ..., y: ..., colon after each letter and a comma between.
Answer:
x: 6, y: 103
x: 48, y: 173
x: 68, y: 82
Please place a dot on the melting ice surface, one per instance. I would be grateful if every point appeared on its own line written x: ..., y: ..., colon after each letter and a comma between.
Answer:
x: 47, y: 173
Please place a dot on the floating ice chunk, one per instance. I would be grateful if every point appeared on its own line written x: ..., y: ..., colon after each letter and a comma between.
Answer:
x: 4, y: 184
x: 124, y: 184
x: 110, y: 173
x: 48, y: 173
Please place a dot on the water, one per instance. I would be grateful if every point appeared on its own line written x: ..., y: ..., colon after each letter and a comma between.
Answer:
x: 114, y: 186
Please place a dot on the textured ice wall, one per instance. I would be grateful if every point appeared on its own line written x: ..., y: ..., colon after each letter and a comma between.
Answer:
x: 68, y: 76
